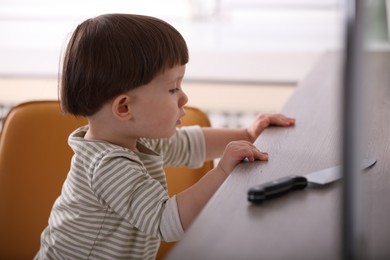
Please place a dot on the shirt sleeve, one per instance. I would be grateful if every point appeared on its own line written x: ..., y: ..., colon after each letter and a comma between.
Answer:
x: 171, y: 228
x: 197, y: 146
x: 186, y: 148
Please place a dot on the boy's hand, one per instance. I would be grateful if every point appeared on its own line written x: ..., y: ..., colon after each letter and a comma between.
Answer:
x: 237, y: 151
x: 263, y: 121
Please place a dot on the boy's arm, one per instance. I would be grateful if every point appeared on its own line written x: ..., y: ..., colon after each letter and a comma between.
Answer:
x: 217, y: 138
x: 232, y: 145
x: 192, y: 200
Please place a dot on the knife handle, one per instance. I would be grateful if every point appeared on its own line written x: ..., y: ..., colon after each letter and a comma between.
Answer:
x: 276, y: 188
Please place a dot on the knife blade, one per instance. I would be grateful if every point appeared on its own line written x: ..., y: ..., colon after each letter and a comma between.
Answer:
x: 276, y: 188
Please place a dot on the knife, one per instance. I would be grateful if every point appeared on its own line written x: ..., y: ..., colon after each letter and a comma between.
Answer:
x: 276, y: 188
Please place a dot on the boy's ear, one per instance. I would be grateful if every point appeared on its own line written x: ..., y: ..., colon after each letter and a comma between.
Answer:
x: 121, y: 107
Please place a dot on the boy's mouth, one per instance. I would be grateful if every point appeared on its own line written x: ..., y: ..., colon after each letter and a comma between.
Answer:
x: 179, y: 121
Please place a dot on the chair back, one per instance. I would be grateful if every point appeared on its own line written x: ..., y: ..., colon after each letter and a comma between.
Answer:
x: 34, y: 162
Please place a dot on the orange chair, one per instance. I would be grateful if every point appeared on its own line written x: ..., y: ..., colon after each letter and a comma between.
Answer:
x: 34, y: 162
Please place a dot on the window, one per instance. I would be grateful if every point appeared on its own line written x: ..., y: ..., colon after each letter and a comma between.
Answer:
x: 229, y: 40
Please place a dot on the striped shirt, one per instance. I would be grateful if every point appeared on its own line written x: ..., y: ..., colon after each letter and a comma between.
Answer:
x: 114, y: 202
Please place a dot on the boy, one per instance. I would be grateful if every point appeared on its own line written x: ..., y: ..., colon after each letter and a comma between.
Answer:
x: 124, y: 73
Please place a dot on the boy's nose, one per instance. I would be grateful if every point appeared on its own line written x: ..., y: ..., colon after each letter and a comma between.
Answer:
x: 183, y: 99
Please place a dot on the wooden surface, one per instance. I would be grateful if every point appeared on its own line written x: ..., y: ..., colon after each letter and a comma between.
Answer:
x: 304, y: 224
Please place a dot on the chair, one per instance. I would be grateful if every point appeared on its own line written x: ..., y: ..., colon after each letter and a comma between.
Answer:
x: 34, y: 162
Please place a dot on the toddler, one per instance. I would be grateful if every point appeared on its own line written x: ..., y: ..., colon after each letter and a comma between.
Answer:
x: 124, y: 73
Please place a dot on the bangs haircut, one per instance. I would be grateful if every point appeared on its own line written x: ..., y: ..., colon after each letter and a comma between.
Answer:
x: 114, y: 53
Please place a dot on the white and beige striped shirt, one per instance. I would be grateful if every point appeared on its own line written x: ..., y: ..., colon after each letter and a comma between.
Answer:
x: 114, y: 202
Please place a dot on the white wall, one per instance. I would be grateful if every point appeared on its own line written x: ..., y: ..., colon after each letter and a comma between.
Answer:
x: 229, y: 40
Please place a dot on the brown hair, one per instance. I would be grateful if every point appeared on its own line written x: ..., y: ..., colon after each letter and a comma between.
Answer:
x: 114, y: 53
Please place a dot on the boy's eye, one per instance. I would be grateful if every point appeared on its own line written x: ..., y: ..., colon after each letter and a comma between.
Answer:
x: 174, y: 90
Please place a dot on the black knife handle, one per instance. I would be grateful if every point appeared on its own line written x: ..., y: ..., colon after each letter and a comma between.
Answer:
x: 276, y: 188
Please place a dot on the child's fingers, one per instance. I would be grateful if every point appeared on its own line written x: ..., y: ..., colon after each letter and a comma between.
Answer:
x: 245, y: 149
x: 256, y: 154
x: 259, y: 155
x: 237, y: 151
x: 282, y: 120
x: 290, y: 121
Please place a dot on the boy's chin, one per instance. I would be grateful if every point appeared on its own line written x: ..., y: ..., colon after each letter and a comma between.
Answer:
x: 167, y: 134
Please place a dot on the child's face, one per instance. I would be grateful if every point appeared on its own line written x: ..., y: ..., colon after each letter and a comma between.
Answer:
x: 158, y: 106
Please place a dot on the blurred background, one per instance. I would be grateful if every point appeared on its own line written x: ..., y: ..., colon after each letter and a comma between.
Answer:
x: 246, y: 56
